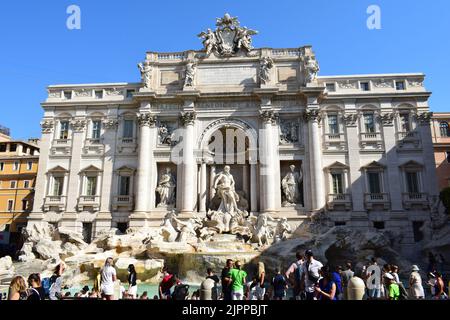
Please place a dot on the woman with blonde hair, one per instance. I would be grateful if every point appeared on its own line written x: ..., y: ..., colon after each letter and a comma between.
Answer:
x: 107, y: 280
x: 18, y: 289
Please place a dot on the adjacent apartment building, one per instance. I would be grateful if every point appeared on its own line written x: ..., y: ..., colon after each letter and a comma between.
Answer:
x: 441, y: 140
x: 18, y: 170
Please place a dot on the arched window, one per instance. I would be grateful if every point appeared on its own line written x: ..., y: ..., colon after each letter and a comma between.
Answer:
x: 444, y: 129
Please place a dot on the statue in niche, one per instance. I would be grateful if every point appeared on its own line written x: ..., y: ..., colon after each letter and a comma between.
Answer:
x: 265, y: 65
x: 224, y: 186
x: 165, y: 135
x: 289, y: 132
x: 191, y: 70
x: 312, y: 69
x: 291, y: 187
x: 146, y: 74
x: 166, y: 189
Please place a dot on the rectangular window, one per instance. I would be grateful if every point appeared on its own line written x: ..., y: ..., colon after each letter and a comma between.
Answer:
x: 12, y: 184
x: 447, y: 155
x: 365, y: 86
x: 417, y: 231
x: 2, y: 166
x: 98, y: 94
x: 128, y: 129
x: 374, y: 182
x: 29, y: 165
x: 24, y: 205
x: 13, y: 147
x: 26, y: 184
x: 331, y: 87
x: 130, y: 93
x: 91, y: 186
x: 405, y: 123
x: 338, y: 186
x: 64, y: 130
x: 16, y: 166
x: 68, y: 95
x: 2, y: 147
x: 124, y: 188
x: 378, y: 225
x: 400, y: 85
x: 87, y: 232
x: 10, y: 205
x: 412, y: 182
x: 96, y: 129
x: 333, y: 124
x: 369, y: 123
x: 58, y: 184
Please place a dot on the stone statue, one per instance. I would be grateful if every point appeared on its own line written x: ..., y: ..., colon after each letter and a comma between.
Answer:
x: 146, y: 74
x: 265, y: 65
x: 244, y: 39
x: 312, y: 69
x: 290, y: 185
x: 166, y: 189
x: 281, y: 229
x: 261, y: 231
x: 224, y: 185
x: 191, y: 70
x: 209, y: 42
x: 168, y: 231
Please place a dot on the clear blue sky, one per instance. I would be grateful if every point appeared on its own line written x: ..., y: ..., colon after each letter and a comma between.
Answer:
x: 38, y: 50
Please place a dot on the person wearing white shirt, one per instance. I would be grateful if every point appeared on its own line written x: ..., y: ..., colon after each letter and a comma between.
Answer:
x: 310, y: 274
x: 108, y: 278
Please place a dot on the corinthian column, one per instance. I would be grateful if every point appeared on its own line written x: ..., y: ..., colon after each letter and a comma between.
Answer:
x: 189, y: 172
x: 268, y: 163
x: 145, y: 165
x: 317, y: 177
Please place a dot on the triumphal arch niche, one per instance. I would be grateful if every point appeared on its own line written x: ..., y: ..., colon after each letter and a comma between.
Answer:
x: 232, y: 126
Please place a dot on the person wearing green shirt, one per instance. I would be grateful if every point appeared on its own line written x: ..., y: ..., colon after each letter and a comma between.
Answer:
x: 394, y: 288
x: 237, y: 281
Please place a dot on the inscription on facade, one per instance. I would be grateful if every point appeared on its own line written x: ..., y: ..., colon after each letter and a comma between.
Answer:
x: 170, y: 78
x: 245, y: 75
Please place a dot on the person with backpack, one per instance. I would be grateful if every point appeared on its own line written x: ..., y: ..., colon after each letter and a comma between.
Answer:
x: 35, y: 291
x: 280, y: 286
x: 310, y: 274
x: 296, y: 270
x: 55, y: 291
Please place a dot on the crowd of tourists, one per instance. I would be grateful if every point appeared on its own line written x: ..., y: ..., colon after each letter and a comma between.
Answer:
x: 305, y: 279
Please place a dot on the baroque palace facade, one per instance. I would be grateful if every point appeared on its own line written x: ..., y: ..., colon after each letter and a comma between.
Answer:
x: 357, y: 148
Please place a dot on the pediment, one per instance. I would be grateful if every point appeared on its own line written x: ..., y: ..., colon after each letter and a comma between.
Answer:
x: 91, y: 168
x: 374, y: 164
x: 58, y: 169
x: 411, y: 164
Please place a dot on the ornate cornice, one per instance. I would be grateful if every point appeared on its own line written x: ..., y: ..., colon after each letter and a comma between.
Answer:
x: 188, y: 118
x: 146, y: 119
x: 47, y: 126
x: 350, y: 120
x: 425, y: 118
x: 387, y: 119
x: 312, y: 115
x: 78, y: 125
x: 268, y: 116
x: 111, y: 124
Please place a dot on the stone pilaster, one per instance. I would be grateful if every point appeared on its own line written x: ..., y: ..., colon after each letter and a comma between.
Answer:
x: 188, y: 163
x: 429, y: 162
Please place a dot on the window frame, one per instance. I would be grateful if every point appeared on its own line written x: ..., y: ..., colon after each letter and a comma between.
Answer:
x: 10, y: 208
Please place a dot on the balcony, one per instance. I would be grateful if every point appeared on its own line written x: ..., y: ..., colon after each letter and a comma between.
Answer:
x: 124, y: 202
x: 127, y: 145
x: 371, y: 141
x: 414, y: 199
x: 377, y: 200
x: 61, y: 147
x: 334, y: 142
x: 336, y: 201
x: 54, y: 203
x: 88, y: 203
x: 94, y: 147
x: 408, y: 140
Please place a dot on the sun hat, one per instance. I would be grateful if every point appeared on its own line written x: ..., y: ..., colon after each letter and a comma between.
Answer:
x: 415, y: 268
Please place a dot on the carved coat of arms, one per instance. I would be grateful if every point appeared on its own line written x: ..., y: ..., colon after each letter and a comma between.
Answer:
x: 228, y: 38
